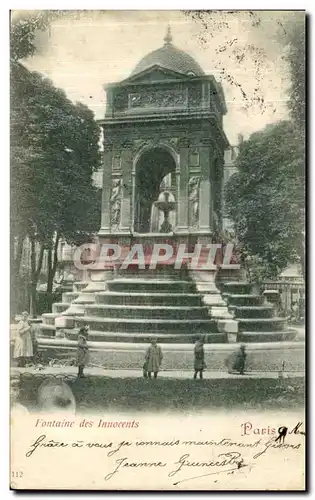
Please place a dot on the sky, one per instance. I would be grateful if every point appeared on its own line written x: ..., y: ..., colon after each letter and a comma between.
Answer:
x: 83, y: 50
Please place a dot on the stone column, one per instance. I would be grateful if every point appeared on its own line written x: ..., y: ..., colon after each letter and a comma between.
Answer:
x: 221, y: 190
x: 205, y: 100
x: 182, y: 189
x: 109, y: 102
x: 126, y: 206
x: 106, y: 190
x: 205, y: 201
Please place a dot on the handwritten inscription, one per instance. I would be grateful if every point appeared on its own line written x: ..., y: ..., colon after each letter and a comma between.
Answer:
x: 123, y: 462
x: 219, y: 461
x: 248, y: 428
x: 223, y: 460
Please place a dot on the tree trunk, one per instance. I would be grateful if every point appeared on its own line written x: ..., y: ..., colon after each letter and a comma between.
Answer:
x: 33, y: 282
x: 19, y: 253
x: 302, y: 259
x: 35, y: 272
x: 52, y: 267
x: 16, y: 289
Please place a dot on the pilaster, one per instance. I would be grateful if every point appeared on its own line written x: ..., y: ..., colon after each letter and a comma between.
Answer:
x: 182, y: 197
x: 106, y: 190
x: 205, y: 201
x: 126, y: 202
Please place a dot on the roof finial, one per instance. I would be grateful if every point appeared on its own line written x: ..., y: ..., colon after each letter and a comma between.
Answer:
x: 168, y: 37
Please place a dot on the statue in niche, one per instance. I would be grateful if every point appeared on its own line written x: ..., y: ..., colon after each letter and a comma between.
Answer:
x: 193, y: 197
x: 115, y: 201
x: 216, y: 224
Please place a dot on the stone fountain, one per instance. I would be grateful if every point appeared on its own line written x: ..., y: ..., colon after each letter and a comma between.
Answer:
x: 166, y: 204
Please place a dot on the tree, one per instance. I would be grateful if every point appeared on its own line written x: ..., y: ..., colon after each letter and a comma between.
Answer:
x: 296, y: 63
x: 54, y: 152
x: 265, y: 198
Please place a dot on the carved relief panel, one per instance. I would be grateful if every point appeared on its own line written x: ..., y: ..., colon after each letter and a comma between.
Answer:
x: 115, y: 203
x: 116, y: 161
x: 195, y: 95
x: 158, y: 98
x: 193, y: 200
x: 120, y: 99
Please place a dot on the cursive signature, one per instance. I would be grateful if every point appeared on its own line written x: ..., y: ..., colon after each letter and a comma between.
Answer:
x: 231, y: 458
x: 123, y: 462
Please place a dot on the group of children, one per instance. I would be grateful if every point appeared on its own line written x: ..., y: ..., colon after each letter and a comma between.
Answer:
x: 23, y: 350
x: 235, y: 363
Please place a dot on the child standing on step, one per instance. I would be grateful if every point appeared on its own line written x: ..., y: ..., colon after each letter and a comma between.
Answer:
x: 199, y: 362
x: 153, y: 358
x: 83, y: 350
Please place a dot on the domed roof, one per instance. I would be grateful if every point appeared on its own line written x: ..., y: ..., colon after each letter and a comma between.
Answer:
x: 171, y: 58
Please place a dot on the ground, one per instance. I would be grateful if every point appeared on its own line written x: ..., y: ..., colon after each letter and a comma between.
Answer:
x: 127, y: 391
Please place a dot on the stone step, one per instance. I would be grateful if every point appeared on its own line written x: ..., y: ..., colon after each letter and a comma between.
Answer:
x: 121, y: 298
x: 285, y: 335
x: 74, y: 310
x: 257, y: 312
x: 140, y: 337
x: 49, y: 318
x: 237, y: 287
x: 149, y: 311
x: 161, y: 273
x: 45, y: 330
x: 59, y: 307
x: 93, y: 287
x: 69, y: 296
x: 262, y: 324
x: 192, y: 326
x: 85, y: 298
x: 244, y: 299
x: 80, y: 285
x: 169, y: 286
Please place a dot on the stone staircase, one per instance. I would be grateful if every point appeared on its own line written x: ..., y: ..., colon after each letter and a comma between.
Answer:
x: 72, y: 305
x: 254, y: 315
x: 131, y: 308
x: 125, y: 310
x: 171, y: 305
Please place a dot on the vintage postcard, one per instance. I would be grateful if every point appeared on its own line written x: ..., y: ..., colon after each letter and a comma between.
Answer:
x: 157, y: 334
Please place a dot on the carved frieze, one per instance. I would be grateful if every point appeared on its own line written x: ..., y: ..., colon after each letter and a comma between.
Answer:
x: 205, y: 141
x: 157, y: 98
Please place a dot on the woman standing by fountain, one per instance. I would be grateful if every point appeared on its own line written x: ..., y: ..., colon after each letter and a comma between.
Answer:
x: 23, y: 347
